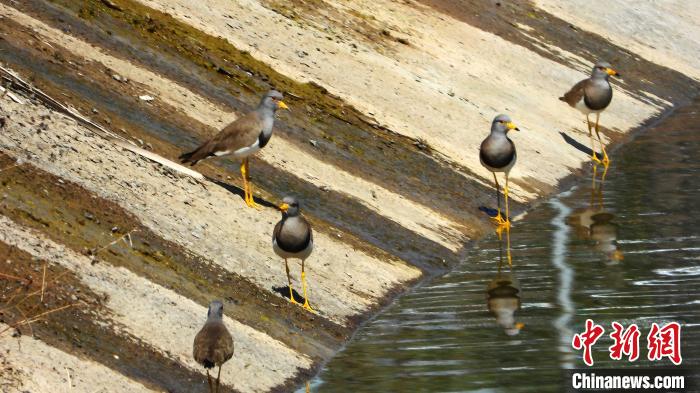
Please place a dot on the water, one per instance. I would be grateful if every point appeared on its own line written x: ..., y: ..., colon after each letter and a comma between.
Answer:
x: 626, y: 250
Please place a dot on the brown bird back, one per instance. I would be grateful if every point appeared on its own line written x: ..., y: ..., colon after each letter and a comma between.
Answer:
x: 213, y: 345
x: 576, y: 93
x: 243, y: 132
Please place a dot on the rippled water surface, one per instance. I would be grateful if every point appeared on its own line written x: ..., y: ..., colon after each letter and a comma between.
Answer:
x: 626, y: 251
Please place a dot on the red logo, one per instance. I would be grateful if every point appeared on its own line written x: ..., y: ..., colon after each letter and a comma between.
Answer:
x: 662, y: 342
x: 626, y: 342
x: 586, y: 340
x: 665, y: 342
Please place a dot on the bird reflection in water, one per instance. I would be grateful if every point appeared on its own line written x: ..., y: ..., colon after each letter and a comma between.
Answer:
x: 503, y: 299
x: 596, y: 224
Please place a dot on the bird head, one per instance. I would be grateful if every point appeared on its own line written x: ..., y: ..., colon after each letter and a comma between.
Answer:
x: 502, y: 123
x: 216, y: 310
x: 513, y: 331
x: 289, y: 206
x: 272, y: 100
x: 602, y: 69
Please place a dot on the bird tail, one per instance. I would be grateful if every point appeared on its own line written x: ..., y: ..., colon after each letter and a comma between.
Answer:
x: 196, y: 155
x: 187, y: 157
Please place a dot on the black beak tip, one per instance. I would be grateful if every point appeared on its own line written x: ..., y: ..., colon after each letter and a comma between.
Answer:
x: 517, y: 129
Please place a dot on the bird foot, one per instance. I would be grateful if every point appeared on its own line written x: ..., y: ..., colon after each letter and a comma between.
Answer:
x: 308, y: 308
x: 504, y: 225
x: 251, y: 203
x: 498, y: 220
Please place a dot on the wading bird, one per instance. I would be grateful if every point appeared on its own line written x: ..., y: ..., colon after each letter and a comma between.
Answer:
x: 593, y: 95
x: 293, y: 238
x: 242, y: 138
x: 497, y: 154
x: 213, y: 345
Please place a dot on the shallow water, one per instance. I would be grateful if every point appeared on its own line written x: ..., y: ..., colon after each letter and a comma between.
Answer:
x: 626, y: 249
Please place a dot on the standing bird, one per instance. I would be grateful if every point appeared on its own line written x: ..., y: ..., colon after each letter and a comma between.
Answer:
x: 497, y: 154
x: 213, y: 345
x: 242, y: 138
x: 293, y: 238
x: 593, y: 95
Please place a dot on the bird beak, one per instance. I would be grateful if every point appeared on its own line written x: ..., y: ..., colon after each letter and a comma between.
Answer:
x: 284, y: 207
x: 282, y: 105
x: 612, y: 72
x: 511, y: 126
x: 519, y: 325
x: 618, y: 255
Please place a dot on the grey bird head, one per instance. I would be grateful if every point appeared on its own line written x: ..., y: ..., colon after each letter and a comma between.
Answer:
x: 603, y: 70
x: 216, y: 310
x: 502, y: 124
x: 271, y: 101
x: 290, y: 206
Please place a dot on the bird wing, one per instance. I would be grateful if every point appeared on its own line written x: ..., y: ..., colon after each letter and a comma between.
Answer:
x: 213, y: 345
x: 243, y: 132
x: 277, y: 230
x: 573, y: 96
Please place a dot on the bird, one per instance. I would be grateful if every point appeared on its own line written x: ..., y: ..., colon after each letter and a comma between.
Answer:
x: 213, y: 345
x: 593, y: 95
x: 293, y: 238
x: 242, y: 138
x: 497, y: 154
x: 503, y: 300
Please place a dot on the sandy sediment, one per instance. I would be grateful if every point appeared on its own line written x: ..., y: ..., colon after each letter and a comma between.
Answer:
x: 30, y: 365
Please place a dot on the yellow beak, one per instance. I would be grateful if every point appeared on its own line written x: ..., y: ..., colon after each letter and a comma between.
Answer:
x: 618, y: 255
x: 512, y: 126
x: 519, y: 325
x: 282, y: 105
x: 284, y: 207
x: 612, y: 72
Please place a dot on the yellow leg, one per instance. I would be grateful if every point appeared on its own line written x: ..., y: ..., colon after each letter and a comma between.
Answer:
x: 289, y: 281
x: 606, y: 160
x: 593, y: 179
x: 247, y: 188
x: 499, y: 218
x: 505, y: 196
x: 594, y: 157
x: 510, y: 258
x: 507, y: 223
x: 303, y: 285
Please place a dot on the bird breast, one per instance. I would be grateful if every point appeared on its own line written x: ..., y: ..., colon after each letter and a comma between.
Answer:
x: 598, y: 95
x: 294, y: 235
